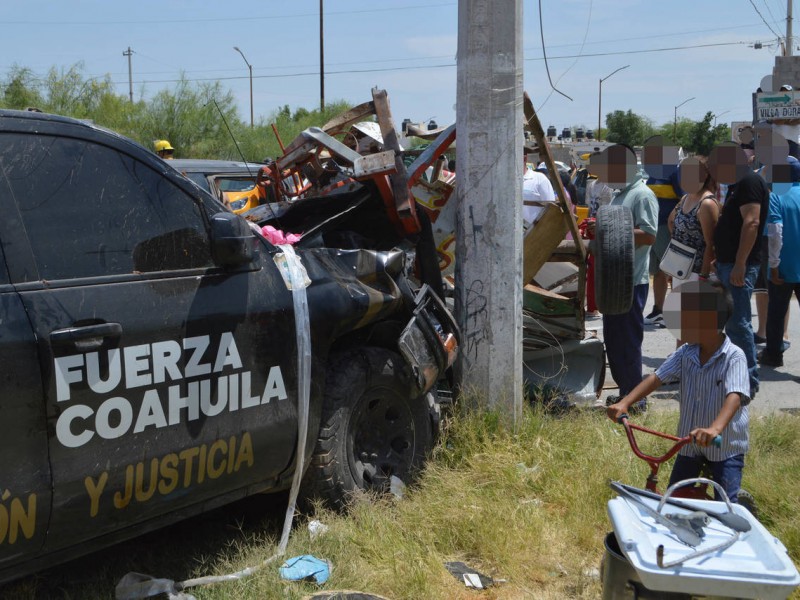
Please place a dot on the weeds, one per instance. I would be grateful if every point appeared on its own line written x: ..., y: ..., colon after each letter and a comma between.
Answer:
x: 527, y: 506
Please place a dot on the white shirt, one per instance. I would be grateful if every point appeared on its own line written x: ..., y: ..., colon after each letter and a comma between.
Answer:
x: 535, y: 187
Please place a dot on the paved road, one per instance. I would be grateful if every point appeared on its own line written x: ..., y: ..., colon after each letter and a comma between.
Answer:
x: 780, y: 388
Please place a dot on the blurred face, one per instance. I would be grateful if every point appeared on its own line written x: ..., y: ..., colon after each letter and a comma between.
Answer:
x: 659, y: 160
x: 728, y: 163
x: 615, y: 166
x: 692, y: 175
x: 694, y: 312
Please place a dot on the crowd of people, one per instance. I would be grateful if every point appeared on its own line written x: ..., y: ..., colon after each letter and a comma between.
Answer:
x: 718, y: 228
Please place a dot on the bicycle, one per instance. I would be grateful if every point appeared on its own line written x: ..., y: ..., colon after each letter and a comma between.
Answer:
x: 698, y: 491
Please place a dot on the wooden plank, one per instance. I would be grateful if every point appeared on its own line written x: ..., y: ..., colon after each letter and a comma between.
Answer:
x: 402, y: 195
x: 370, y: 164
x: 340, y: 123
x: 569, y: 223
x: 541, y: 240
x: 535, y: 126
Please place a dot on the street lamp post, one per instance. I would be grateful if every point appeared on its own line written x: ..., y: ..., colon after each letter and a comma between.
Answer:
x: 719, y: 115
x: 600, y: 99
x: 675, y: 122
x: 250, y: 67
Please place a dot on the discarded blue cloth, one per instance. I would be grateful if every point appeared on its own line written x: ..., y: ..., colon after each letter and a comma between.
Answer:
x: 306, y: 568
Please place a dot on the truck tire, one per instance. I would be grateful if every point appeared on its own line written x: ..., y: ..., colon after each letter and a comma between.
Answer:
x: 613, y: 261
x: 371, y: 428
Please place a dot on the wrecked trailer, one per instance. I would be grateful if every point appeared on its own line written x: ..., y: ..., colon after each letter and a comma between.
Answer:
x: 370, y: 199
x: 161, y: 359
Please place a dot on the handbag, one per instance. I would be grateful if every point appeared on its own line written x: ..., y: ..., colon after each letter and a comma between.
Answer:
x: 678, y: 260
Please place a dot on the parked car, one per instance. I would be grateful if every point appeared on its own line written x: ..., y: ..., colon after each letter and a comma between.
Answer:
x: 231, y: 182
x: 149, y: 350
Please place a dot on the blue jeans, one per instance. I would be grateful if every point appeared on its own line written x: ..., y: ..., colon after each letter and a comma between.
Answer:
x: 740, y: 326
x: 727, y: 473
x: 623, y: 335
x: 779, y: 298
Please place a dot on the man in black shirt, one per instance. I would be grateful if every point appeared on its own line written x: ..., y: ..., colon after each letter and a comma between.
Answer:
x: 737, y: 243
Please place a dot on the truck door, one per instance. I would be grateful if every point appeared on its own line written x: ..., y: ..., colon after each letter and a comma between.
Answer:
x: 167, y: 382
x: 24, y: 469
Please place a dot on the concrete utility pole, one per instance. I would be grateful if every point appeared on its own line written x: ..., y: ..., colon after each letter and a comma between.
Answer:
x: 129, y: 53
x: 788, y: 27
x: 488, y: 295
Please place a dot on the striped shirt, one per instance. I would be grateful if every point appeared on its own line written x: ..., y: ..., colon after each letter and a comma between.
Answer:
x: 703, y: 390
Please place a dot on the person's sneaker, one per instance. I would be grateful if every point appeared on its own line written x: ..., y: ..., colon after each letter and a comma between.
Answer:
x: 758, y: 339
x: 634, y: 409
x: 638, y: 407
x: 767, y: 360
x: 655, y: 317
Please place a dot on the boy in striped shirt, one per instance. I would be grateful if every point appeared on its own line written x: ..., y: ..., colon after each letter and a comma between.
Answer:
x: 714, y: 385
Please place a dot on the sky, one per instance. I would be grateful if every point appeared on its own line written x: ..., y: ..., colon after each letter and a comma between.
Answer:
x: 408, y: 47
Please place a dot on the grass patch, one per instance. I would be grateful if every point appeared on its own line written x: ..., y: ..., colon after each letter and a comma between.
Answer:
x: 527, y: 506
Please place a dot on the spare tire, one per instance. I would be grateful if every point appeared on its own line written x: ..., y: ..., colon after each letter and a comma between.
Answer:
x: 613, y: 260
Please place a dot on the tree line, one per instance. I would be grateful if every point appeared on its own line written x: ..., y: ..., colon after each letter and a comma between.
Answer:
x: 200, y: 119
x: 697, y: 137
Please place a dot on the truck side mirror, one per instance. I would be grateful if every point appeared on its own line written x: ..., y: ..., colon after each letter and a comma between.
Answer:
x: 233, y: 243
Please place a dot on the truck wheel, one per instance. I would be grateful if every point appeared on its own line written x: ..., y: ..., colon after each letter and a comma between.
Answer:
x: 613, y: 261
x: 371, y: 427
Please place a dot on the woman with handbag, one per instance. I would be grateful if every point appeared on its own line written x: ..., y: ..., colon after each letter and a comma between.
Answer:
x: 690, y: 253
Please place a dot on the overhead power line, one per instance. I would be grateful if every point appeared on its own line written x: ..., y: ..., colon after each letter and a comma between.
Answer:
x: 574, y: 62
x: 249, y: 19
x: 448, y: 65
x: 769, y: 10
x: 778, y: 35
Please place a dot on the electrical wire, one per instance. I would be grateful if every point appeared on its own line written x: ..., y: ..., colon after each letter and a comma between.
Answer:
x: 248, y: 19
x: 418, y: 67
x: 763, y: 19
x: 575, y: 62
x: 769, y: 10
x: 430, y: 57
x: 544, y: 54
x: 440, y: 66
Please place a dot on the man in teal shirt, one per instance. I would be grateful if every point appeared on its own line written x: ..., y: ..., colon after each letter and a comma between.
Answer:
x: 783, y: 229
x: 623, y: 334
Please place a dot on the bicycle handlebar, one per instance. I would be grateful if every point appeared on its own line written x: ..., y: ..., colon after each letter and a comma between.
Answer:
x: 679, y: 442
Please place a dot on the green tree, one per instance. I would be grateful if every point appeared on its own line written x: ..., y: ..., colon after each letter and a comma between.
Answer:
x: 702, y: 137
x: 20, y: 89
x: 199, y: 119
x: 628, y: 128
x: 194, y: 117
x: 677, y: 133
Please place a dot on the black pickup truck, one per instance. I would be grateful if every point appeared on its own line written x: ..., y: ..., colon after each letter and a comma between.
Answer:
x: 148, y: 350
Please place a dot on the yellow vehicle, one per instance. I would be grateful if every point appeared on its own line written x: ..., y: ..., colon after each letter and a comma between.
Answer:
x: 232, y: 182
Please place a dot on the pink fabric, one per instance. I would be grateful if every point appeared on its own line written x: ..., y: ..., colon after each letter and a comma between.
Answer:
x: 277, y: 237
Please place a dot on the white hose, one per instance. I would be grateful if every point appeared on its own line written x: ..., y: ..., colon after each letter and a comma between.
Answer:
x: 144, y: 586
x: 297, y: 276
